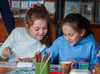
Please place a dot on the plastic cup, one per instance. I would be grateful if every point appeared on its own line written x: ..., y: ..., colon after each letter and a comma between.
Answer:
x: 97, y: 69
x: 65, y: 67
x: 99, y: 61
x: 39, y: 66
x: 84, y: 63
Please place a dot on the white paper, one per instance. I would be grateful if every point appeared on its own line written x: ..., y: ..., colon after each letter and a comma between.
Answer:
x: 24, y: 64
x: 8, y: 64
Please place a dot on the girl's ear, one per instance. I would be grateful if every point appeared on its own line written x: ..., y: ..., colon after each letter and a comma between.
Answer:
x: 26, y: 25
x: 82, y: 33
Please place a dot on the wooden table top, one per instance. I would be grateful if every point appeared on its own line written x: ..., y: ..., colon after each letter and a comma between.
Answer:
x: 4, y: 70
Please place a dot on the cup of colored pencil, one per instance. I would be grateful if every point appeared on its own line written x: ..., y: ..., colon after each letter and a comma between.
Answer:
x: 42, y: 64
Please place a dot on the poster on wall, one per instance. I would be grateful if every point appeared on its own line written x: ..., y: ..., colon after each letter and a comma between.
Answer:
x: 50, y: 6
x: 15, y: 6
x: 30, y: 2
x: 87, y: 10
x: 23, y: 8
x: 72, y: 7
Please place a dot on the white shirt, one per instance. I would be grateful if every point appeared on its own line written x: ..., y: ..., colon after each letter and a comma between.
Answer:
x: 21, y: 44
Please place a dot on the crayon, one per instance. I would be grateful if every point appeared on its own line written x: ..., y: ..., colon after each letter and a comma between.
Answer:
x: 45, y: 57
x: 45, y: 63
x: 9, y: 54
x: 42, y: 58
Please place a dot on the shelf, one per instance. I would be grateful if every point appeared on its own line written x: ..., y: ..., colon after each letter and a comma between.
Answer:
x: 95, y: 25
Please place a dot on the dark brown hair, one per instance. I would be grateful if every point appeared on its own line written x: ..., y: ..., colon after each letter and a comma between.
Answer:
x: 78, y: 22
x: 38, y: 11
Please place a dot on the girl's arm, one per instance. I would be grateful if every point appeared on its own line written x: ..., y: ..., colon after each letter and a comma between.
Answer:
x: 94, y: 58
x: 5, y: 48
x: 54, y: 49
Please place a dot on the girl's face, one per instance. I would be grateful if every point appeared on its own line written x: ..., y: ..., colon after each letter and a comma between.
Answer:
x: 38, y: 30
x: 71, y: 35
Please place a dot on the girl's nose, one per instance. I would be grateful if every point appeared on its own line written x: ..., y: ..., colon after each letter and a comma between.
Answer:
x: 67, y: 38
x: 41, y: 31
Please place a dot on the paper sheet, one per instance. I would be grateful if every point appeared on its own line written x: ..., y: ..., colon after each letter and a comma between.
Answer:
x: 30, y: 70
x: 7, y: 64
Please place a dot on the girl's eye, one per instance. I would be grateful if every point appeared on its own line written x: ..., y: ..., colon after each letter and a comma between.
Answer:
x: 44, y: 28
x: 36, y: 29
x: 71, y: 34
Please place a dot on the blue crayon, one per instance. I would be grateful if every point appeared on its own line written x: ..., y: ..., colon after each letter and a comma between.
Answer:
x: 9, y: 54
x: 45, y: 57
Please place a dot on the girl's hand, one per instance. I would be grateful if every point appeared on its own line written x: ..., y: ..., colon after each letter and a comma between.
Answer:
x: 24, y: 60
x: 6, y: 52
x: 72, y: 61
x: 72, y: 65
x: 98, y: 55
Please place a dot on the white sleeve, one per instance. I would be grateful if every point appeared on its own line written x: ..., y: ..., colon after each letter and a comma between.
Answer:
x: 9, y: 42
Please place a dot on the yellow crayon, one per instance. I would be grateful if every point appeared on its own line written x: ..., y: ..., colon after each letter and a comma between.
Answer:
x: 42, y: 58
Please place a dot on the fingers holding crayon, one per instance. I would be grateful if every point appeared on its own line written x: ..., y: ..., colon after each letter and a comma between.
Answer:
x: 7, y: 51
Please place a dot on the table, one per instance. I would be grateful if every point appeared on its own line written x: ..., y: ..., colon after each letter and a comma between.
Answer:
x: 4, y: 70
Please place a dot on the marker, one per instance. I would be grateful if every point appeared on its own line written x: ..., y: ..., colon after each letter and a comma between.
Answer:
x: 9, y: 54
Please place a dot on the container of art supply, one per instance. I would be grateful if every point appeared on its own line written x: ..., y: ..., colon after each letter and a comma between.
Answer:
x: 97, y: 69
x: 65, y: 67
x: 99, y: 60
x: 42, y: 68
x: 84, y: 63
x: 42, y: 64
x: 99, y: 57
x: 75, y: 65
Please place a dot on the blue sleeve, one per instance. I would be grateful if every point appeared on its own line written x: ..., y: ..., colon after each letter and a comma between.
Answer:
x: 94, y: 58
x: 54, y: 49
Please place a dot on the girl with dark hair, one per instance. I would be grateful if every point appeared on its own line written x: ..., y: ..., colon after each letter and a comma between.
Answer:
x: 76, y: 42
